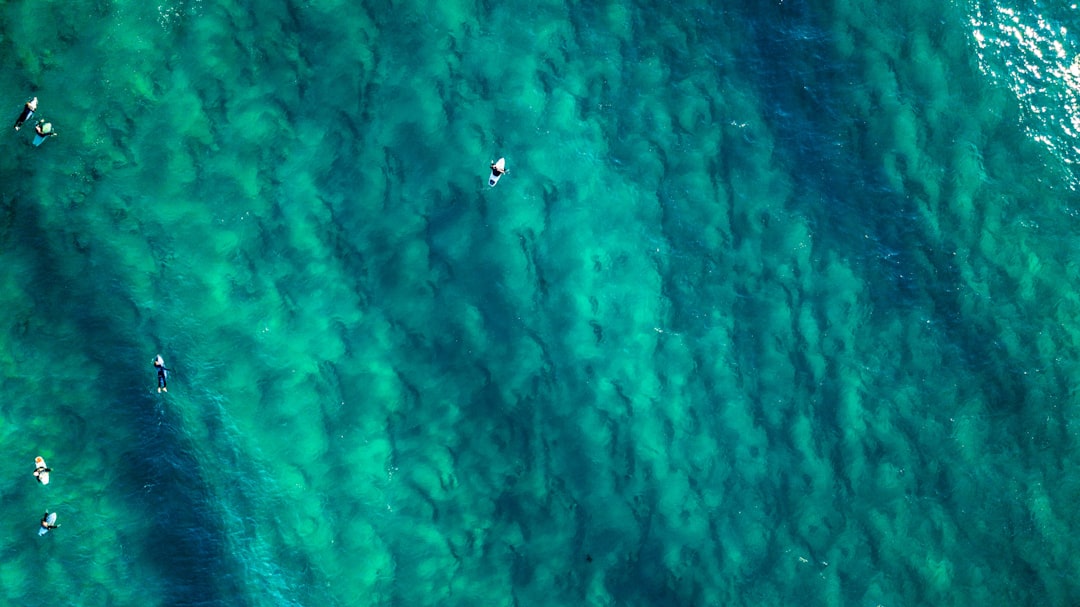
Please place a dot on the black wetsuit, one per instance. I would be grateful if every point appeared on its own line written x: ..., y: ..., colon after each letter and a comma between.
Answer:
x: 161, y: 376
x: 26, y: 114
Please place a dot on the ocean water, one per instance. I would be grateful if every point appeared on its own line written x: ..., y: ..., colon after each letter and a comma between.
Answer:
x: 775, y: 305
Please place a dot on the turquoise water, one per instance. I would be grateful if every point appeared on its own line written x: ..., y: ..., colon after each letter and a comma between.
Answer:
x: 773, y: 307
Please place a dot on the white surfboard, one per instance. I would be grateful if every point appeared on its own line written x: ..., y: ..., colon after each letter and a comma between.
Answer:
x: 493, y: 179
x: 51, y: 519
x: 41, y: 471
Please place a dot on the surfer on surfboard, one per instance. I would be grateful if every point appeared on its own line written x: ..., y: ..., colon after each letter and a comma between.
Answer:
x: 162, y: 374
x: 27, y: 113
x: 498, y: 169
x: 48, y: 521
x: 41, y: 471
x: 44, y: 130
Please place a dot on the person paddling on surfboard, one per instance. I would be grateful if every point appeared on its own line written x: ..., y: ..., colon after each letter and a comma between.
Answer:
x: 162, y: 374
x: 44, y: 130
x: 41, y: 471
x: 496, y: 171
x: 46, y: 524
x: 27, y: 113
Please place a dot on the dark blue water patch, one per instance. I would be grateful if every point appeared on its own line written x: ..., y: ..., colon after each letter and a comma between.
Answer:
x: 856, y: 211
x: 837, y: 172
x: 186, y: 541
x: 910, y: 269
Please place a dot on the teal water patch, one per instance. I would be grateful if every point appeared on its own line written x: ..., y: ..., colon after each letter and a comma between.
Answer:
x: 772, y: 306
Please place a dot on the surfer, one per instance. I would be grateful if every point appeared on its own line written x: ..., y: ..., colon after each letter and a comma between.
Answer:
x: 496, y: 171
x: 41, y: 471
x: 27, y: 113
x: 46, y: 524
x: 162, y: 374
x: 44, y: 130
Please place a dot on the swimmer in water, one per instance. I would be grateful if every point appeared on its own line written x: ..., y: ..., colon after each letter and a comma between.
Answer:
x: 27, y: 113
x: 162, y: 374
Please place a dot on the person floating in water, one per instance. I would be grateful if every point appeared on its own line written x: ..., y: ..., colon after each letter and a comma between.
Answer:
x: 27, y: 113
x: 162, y: 374
x: 44, y: 130
x: 46, y: 524
x: 41, y: 471
x: 495, y: 170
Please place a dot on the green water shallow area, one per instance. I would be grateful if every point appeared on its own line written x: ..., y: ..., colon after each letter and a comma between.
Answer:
x: 774, y: 306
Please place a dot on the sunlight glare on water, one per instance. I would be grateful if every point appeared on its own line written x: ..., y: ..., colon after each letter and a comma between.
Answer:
x: 1036, y: 56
